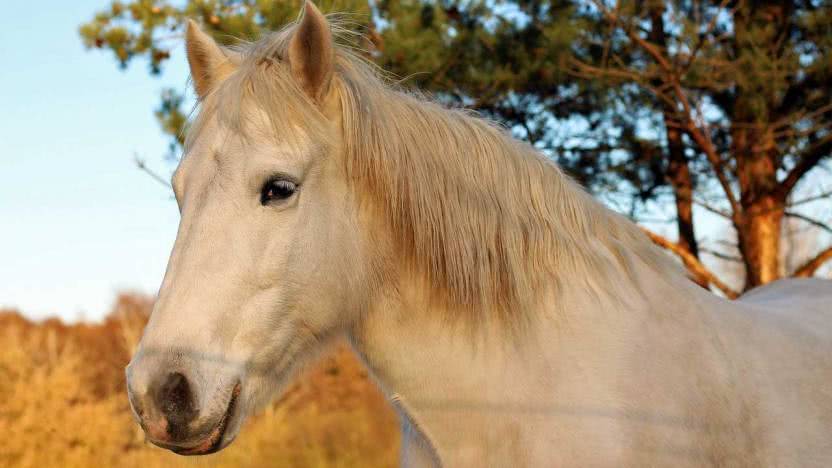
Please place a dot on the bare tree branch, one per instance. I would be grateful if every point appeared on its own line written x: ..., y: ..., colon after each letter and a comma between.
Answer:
x: 808, y: 269
x: 712, y: 209
x: 722, y: 255
x: 703, y: 140
x: 809, y: 220
x: 810, y: 158
x: 691, y: 263
x: 143, y: 167
x: 817, y: 197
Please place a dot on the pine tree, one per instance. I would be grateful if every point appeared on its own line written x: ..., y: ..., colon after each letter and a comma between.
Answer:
x: 744, y: 92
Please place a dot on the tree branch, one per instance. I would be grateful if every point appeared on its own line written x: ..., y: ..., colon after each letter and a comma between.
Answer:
x: 700, y: 136
x: 587, y: 71
x: 143, y: 167
x: 712, y: 209
x: 703, y: 140
x: 721, y: 255
x: 648, y: 47
x: 811, y: 199
x: 810, y: 158
x: 808, y: 269
x: 691, y: 263
x: 809, y: 220
x: 708, y: 31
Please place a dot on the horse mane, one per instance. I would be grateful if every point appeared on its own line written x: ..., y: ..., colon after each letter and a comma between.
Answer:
x: 487, y: 220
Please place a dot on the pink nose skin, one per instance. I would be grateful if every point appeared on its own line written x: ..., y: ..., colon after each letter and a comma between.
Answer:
x: 157, y: 430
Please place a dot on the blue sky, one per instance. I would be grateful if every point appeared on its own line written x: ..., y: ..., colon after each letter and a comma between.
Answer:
x: 78, y: 221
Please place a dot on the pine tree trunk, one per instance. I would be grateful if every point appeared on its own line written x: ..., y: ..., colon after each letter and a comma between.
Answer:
x: 755, y: 151
x: 678, y: 173
x: 759, y: 241
x: 759, y: 223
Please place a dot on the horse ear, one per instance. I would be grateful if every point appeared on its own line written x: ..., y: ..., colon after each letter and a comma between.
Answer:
x: 209, y: 64
x: 312, y: 54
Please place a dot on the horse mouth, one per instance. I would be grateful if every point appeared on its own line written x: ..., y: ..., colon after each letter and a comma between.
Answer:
x: 214, y: 441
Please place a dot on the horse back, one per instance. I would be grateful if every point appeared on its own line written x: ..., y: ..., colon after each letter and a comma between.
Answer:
x: 789, y: 341
x: 804, y: 303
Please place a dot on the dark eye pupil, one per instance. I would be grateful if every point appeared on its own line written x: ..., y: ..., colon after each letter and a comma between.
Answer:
x: 277, y: 190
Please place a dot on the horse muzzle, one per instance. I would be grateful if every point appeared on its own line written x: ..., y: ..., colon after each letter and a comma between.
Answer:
x: 168, y: 411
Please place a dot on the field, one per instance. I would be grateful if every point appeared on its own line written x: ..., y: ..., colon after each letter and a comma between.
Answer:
x: 63, y: 404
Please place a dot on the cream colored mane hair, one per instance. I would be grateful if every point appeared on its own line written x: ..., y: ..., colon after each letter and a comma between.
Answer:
x: 448, y: 183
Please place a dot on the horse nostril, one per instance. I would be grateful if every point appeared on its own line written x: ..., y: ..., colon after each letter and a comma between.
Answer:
x: 174, y: 393
x: 175, y: 401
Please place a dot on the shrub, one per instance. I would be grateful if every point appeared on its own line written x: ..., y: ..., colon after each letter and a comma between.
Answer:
x: 63, y: 403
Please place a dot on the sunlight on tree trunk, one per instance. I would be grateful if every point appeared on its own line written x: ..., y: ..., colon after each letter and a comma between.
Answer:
x: 759, y: 242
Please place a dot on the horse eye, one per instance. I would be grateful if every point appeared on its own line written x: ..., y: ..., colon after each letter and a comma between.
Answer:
x: 277, y: 190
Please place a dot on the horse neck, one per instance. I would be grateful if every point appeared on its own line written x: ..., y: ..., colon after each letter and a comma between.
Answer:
x: 452, y: 380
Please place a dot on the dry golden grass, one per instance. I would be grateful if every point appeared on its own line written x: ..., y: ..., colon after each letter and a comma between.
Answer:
x: 62, y: 403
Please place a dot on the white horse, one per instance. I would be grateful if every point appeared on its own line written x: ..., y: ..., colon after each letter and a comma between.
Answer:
x: 513, y: 320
